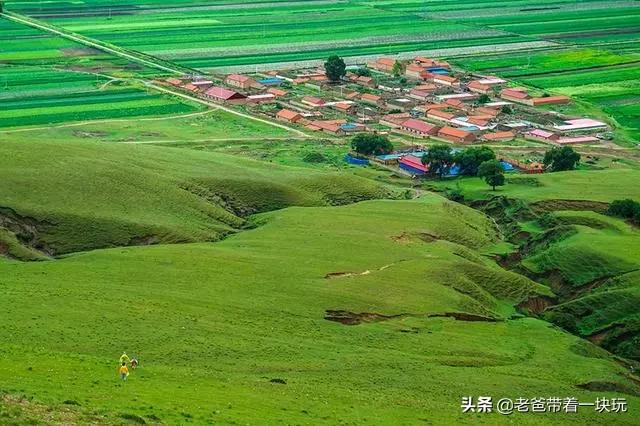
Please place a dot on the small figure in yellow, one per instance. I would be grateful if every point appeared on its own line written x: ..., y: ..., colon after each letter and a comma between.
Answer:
x: 124, y: 371
x: 124, y: 358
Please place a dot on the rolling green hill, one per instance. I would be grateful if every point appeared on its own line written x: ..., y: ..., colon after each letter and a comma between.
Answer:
x: 318, y: 316
x: 66, y: 197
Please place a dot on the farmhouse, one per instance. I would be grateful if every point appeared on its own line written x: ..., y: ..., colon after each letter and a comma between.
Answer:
x: 191, y: 87
x: 491, y: 81
x: 402, y: 104
x: 477, y: 87
x: 203, y: 84
x: 394, y: 120
x: 288, y: 115
x: 541, y: 135
x: 414, y: 71
x: 346, y: 107
x: 518, y: 95
x: 224, y: 95
x: 328, y: 126
x: 422, y: 95
x: 365, y: 81
x: 262, y: 98
x: 459, y: 96
x: 276, y: 92
x: 478, y: 121
x: 456, y: 135
x: 499, y: 136
x: 174, y: 81
x: 313, y: 102
x: 456, y: 103
x: 418, y: 128
x: 437, y: 114
x: 577, y: 140
x: 383, y: 64
x: 371, y: 99
x: 581, y: 124
x: 487, y: 111
x: 445, y: 80
x: 550, y: 100
x: 240, y: 81
x: 413, y: 165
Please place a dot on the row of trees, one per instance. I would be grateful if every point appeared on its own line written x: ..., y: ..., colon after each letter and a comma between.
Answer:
x: 475, y: 161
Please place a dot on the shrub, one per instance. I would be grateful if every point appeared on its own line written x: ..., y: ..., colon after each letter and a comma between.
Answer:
x: 371, y: 144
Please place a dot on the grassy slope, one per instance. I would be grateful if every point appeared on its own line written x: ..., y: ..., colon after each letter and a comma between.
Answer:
x: 594, y: 185
x: 214, y: 323
x: 88, y: 195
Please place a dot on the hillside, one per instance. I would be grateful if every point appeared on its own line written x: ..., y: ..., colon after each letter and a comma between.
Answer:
x: 63, y: 197
x: 231, y: 337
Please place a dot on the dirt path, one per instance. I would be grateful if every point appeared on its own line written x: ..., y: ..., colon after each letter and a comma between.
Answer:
x: 240, y: 139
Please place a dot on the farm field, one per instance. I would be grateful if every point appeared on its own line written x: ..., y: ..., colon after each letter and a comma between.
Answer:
x: 268, y: 349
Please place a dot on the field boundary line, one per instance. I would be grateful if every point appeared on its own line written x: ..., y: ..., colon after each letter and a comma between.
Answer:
x: 117, y: 51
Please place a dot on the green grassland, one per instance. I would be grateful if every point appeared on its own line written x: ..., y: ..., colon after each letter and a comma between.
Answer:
x: 590, y: 185
x: 148, y: 193
x: 213, y: 324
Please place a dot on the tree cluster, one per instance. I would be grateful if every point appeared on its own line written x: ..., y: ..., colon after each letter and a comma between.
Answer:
x: 625, y: 209
x: 561, y: 158
x: 371, y: 144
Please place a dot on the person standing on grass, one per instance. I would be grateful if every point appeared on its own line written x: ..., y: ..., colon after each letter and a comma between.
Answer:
x: 124, y: 371
x: 124, y: 358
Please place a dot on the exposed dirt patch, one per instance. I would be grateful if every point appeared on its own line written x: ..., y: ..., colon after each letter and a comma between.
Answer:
x: 598, y: 386
x: 144, y: 241
x: 333, y: 275
x: 81, y: 51
x: 83, y: 134
x: 576, y: 205
x: 4, y: 249
x: 353, y: 318
x: 536, y: 305
x: 26, y: 229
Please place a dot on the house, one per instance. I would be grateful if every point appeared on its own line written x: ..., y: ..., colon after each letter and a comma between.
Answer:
x: 383, y: 64
x: 478, y: 121
x: 395, y: 120
x: 202, y: 84
x: 241, y: 81
x: 499, y: 136
x: 288, y: 116
x: 541, y: 135
x: 445, y: 80
x: 313, y: 102
x: 351, y: 95
x: 262, y: 98
x: 418, y: 128
x: 492, y: 112
x: 581, y: 124
x: 459, y: 96
x: 492, y: 81
x: 224, y: 95
x: 577, y: 140
x: 174, y: 81
x: 518, y: 95
x: 422, y: 95
x: 277, y: 92
x: 456, y: 135
x: 191, y: 87
x: 550, y: 100
x: 402, y: 104
x: 413, y: 165
x: 328, y: 126
x: 346, y: 107
x: 477, y: 87
x: 371, y: 99
x: 365, y: 81
x: 456, y: 103
x: 430, y: 63
x: 437, y: 114
x: 414, y: 71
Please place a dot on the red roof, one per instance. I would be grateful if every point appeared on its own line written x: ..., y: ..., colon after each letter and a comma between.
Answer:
x: 477, y: 85
x: 419, y: 126
x: 386, y: 61
x: 222, y: 93
x: 239, y: 78
x: 415, y: 162
x: 343, y: 106
x: 513, y: 93
x: 313, y: 100
x: 441, y: 114
x: 450, y: 131
x: 287, y: 114
x: 499, y: 135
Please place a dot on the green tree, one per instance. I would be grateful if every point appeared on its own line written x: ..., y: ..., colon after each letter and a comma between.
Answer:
x: 439, y: 159
x: 492, y: 172
x: 561, y: 158
x: 506, y: 109
x: 371, y: 144
x: 363, y: 72
x: 335, y: 68
x: 470, y: 159
x: 397, y: 69
x: 626, y: 209
x: 484, y: 98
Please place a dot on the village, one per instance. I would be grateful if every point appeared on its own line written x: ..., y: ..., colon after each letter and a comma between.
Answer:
x: 419, y: 101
